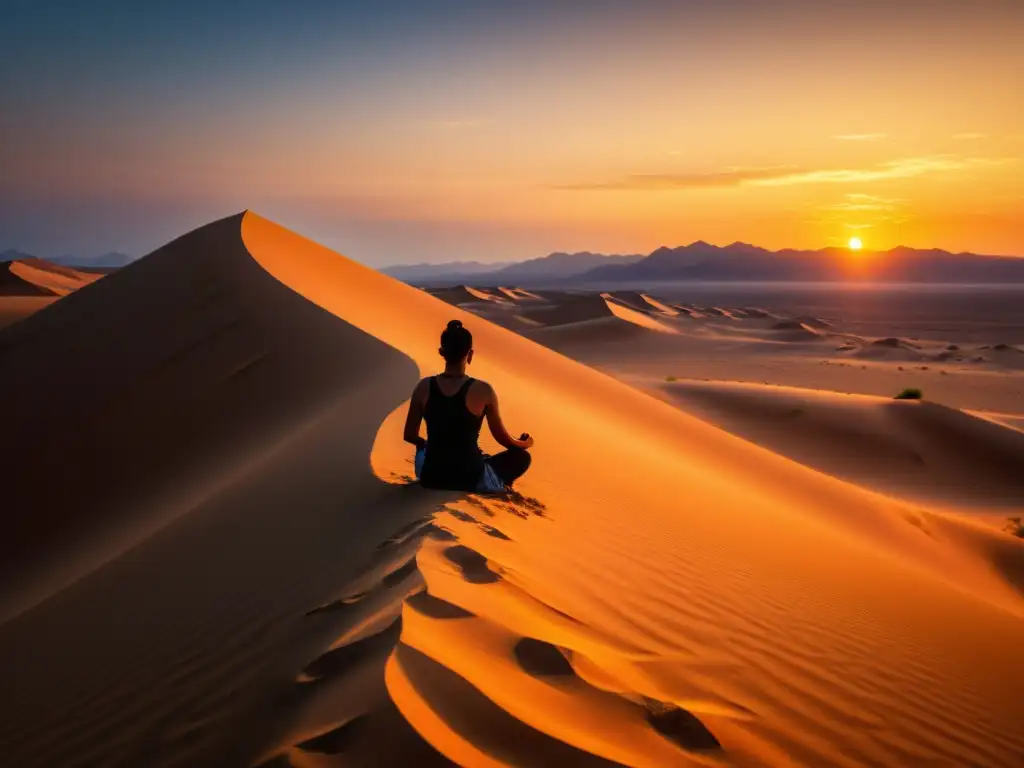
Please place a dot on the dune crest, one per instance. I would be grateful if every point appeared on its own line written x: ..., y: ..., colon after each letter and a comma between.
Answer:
x: 691, y: 505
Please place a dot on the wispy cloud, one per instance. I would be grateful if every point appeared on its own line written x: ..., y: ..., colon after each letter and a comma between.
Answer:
x: 969, y: 136
x: 861, y: 136
x: 858, y: 202
x: 903, y: 168
x: 778, y: 176
x: 730, y: 177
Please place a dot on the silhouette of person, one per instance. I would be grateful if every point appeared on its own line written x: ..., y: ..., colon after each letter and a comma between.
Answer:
x: 454, y: 406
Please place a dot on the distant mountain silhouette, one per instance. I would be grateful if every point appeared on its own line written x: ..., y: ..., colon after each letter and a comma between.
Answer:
x: 452, y: 271
x: 14, y: 255
x: 561, y: 265
x: 740, y: 261
x: 735, y: 262
x: 554, y: 266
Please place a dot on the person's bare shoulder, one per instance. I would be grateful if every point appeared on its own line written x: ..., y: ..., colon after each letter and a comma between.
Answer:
x: 483, y: 389
x: 421, y: 390
x: 480, y: 395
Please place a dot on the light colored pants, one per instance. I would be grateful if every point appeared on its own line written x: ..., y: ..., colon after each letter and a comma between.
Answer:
x: 489, y: 480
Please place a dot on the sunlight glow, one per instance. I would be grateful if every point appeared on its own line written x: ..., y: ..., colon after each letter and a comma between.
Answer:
x: 855, y: 244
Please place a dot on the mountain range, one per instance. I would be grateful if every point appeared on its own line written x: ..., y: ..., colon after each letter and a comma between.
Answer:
x: 739, y: 262
x: 554, y: 266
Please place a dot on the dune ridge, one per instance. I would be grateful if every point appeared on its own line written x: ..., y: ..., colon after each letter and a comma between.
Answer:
x: 659, y: 592
x: 32, y: 275
x: 774, y: 494
x: 30, y: 284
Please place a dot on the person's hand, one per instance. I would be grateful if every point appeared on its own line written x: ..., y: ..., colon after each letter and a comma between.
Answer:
x: 526, y: 439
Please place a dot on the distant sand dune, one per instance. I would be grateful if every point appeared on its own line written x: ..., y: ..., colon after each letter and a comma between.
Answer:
x: 794, y: 330
x: 26, y: 276
x: 464, y: 294
x: 28, y: 285
x: 518, y: 294
x: 639, y: 318
x: 712, y: 602
x: 922, y: 451
x: 660, y: 306
x: 571, y: 309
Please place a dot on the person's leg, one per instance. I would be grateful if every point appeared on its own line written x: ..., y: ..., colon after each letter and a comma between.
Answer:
x: 510, y: 465
x: 421, y: 455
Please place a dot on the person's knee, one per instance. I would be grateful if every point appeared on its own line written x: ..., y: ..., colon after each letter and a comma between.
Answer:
x: 524, y: 459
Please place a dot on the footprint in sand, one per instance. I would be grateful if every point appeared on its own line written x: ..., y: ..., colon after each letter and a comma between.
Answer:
x: 472, y: 564
x: 339, y: 606
x: 458, y: 514
x: 490, y: 530
x: 336, y: 740
x: 435, y: 608
x: 349, y: 602
x: 542, y: 659
x: 337, y: 661
x: 419, y: 526
x: 465, y: 517
x: 680, y: 726
x: 400, y: 574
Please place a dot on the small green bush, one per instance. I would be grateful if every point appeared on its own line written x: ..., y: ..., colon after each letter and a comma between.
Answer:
x: 910, y: 393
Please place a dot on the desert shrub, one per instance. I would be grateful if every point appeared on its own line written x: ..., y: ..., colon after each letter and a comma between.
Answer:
x: 1015, y: 527
x: 670, y: 378
x: 910, y: 393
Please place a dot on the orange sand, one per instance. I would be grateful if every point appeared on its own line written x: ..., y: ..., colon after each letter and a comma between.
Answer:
x: 662, y: 592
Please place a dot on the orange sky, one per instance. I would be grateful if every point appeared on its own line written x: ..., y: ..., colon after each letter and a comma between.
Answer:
x: 475, y: 132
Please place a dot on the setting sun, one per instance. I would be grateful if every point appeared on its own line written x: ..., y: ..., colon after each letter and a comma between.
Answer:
x: 855, y: 244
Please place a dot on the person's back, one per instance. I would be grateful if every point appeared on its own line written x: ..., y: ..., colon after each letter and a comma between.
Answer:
x: 454, y: 407
x: 454, y: 459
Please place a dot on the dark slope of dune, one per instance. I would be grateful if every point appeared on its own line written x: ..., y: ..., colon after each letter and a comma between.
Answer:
x: 140, y: 390
x: 190, y: 471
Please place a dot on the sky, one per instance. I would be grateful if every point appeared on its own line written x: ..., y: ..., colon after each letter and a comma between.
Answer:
x: 404, y: 131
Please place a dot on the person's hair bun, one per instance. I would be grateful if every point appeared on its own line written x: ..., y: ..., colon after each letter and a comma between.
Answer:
x: 454, y: 324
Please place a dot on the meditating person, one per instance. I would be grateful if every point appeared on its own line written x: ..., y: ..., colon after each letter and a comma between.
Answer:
x: 454, y: 406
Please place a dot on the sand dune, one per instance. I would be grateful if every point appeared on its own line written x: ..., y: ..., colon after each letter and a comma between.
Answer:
x: 464, y: 294
x: 917, y: 450
x: 794, y: 330
x: 518, y: 294
x: 641, y: 319
x: 662, y: 592
x: 28, y: 285
x: 37, y: 276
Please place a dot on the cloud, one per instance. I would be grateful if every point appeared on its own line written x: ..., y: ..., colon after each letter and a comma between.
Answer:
x: 904, y: 168
x: 858, y: 202
x: 730, y: 177
x: 861, y: 136
x: 970, y: 136
x: 781, y: 175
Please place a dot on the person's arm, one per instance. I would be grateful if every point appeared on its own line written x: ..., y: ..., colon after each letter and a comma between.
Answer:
x: 497, y: 426
x: 414, y: 418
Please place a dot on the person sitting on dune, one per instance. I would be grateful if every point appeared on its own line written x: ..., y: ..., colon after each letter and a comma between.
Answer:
x: 454, y: 406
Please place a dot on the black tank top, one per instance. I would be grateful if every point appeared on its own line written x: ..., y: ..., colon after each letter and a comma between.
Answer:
x: 453, y: 459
